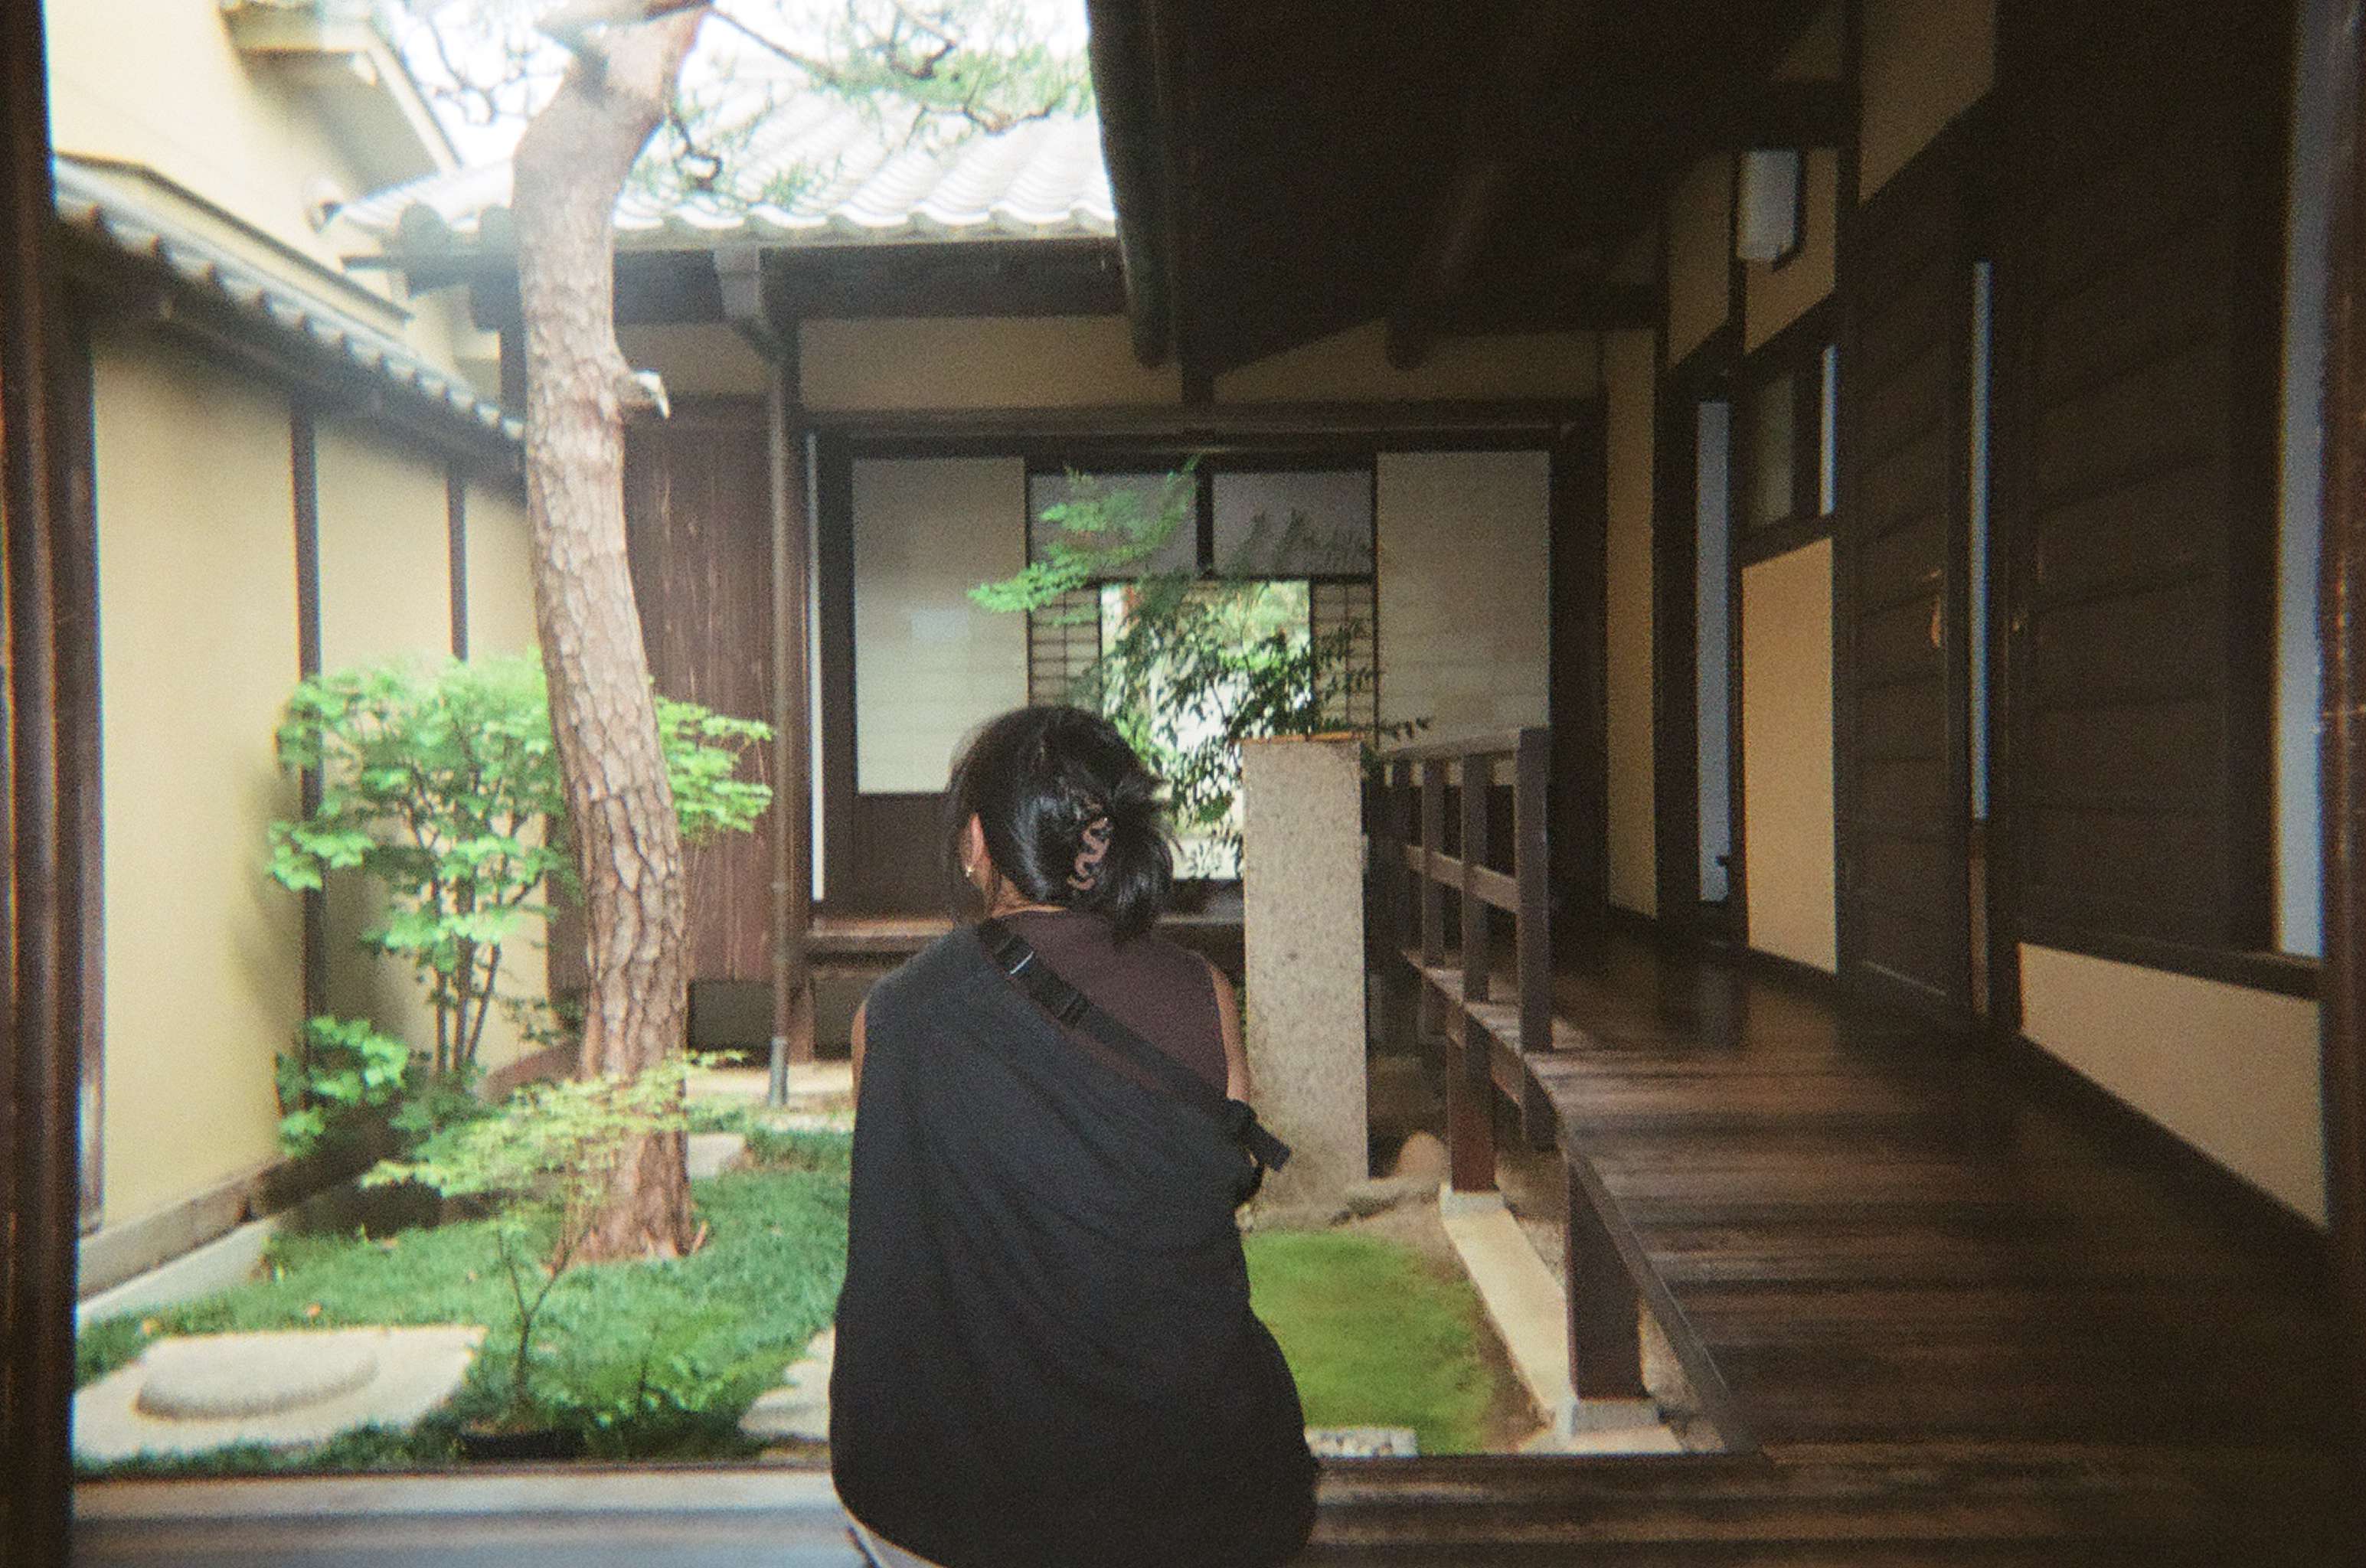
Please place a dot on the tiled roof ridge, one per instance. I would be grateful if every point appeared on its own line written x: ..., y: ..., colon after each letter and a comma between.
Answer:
x: 866, y: 183
x: 135, y: 229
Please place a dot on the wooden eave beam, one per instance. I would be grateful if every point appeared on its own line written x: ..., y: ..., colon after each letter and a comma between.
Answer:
x: 1537, y: 42
x: 1786, y: 114
x: 746, y: 305
x: 1124, y: 54
x: 1592, y: 308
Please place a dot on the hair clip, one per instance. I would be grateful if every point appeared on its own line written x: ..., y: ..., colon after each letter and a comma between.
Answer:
x: 1095, y: 841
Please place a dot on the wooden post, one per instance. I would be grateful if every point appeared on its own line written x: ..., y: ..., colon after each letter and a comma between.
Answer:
x: 1532, y: 929
x: 1401, y: 907
x: 793, y: 1002
x: 1605, y: 1343
x: 1428, y: 1012
x: 1477, y: 939
x: 1532, y: 767
x: 1404, y: 893
x: 1471, y: 1106
x: 40, y: 1070
x: 2343, y: 638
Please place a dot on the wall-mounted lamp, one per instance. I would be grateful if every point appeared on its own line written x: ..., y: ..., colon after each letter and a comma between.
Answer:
x: 1766, y: 216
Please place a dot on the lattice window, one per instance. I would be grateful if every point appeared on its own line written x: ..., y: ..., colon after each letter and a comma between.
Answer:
x: 1062, y: 639
x: 1334, y: 606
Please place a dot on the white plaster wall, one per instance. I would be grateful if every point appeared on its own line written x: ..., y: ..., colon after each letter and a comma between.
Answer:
x: 2232, y: 1071
x: 929, y: 665
x: 1630, y: 388
x: 1464, y: 568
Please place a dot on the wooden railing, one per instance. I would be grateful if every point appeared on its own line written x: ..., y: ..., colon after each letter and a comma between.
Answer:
x: 1488, y: 1037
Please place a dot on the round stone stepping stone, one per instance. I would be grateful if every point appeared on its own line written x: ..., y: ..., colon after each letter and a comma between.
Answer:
x: 229, y: 1379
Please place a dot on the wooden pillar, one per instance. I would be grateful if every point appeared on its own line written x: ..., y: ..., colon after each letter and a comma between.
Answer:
x: 1430, y: 897
x: 1471, y: 1089
x: 2343, y: 633
x: 1605, y: 1329
x: 39, y: 1069
x: 793, y: 1002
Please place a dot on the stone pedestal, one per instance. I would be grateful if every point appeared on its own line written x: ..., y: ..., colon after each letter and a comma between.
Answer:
x: 1302, y: 889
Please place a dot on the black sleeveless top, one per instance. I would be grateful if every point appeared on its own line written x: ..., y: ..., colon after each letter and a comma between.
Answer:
x: 1045, y: 1351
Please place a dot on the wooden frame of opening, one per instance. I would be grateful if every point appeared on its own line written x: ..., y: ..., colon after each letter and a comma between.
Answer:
x: 1250, y: 437
x: 2344, y: 699
x: 1707, y: 375
x: 40, y: 1076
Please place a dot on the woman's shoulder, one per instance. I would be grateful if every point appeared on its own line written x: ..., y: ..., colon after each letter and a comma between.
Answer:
x: 947, y: 963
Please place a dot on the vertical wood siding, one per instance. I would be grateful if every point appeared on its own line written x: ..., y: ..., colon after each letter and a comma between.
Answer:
x: 1904, y: 813
x: 698, y: 528
x: 2137, y: 299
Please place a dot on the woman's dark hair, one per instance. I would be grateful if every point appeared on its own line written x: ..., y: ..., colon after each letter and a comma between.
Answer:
x: 1072, y: 816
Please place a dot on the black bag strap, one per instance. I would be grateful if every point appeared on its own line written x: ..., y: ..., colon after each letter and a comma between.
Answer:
x: 1017, y: 958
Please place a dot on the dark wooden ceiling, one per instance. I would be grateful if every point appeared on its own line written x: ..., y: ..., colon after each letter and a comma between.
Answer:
x: 1284, y: 170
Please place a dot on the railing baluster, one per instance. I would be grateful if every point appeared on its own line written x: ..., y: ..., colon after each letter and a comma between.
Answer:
x: 1429, y: 1014
x: 1605, y: 1357
x: 1432, y: 839
x: 1476, y: 942
x: 1534, y: 930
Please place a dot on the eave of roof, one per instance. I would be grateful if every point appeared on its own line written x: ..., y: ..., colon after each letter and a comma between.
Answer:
x: 146, y: 233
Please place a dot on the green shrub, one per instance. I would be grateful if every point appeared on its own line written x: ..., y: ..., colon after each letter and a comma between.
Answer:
x: 442, y: 784
x: 546, y: 1156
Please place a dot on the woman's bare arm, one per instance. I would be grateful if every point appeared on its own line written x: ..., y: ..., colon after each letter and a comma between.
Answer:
x: 857, y: 1037
x: 1228, y: 1020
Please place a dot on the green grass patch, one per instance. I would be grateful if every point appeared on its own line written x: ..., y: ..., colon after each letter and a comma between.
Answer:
x: 1376, y: 1334
x: 645, y: 1361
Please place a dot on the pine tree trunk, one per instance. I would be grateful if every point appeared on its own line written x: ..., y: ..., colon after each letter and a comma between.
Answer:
x: 569, y: 168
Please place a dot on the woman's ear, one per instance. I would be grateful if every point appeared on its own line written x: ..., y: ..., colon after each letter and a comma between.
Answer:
x: 972, y: 848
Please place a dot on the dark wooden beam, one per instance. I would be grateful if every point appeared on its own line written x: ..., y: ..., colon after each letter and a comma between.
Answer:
x: 1784, y: 114
x: 793, y: 1000
x: 2343, y: 638
x: 1126, y: 85
x: 39, y: 1070
x: 986, y: 277
x: 740, y: 285
x: 1555, y: 306
x: 1535, y: 43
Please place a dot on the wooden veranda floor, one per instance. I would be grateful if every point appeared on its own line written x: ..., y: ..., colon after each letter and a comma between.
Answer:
x: 1956, y: 1313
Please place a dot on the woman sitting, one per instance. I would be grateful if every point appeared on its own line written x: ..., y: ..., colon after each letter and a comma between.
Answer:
x: 1045, y: 1351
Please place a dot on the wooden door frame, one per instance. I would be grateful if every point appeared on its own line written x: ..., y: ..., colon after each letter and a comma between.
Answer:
x: 1956, y: 154
x: 1283, y: 436
x: 40, y: 1101
x: 2343, y: 641
x: 1577, y: 508
x: 1706, y: 374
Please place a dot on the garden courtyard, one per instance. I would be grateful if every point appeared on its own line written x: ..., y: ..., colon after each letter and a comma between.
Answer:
x: 718, y: 1356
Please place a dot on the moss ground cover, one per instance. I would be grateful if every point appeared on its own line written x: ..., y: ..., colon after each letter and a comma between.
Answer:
x: 650, y: 1361
x: 1377, y: 1334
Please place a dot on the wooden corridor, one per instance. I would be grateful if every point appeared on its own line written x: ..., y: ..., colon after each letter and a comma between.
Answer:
x: 1949, y: 1308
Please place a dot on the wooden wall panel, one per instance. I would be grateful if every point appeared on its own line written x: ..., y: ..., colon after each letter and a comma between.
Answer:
x: 2136, y: 354
x: 698, y: 524
x: 1903, y: 793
